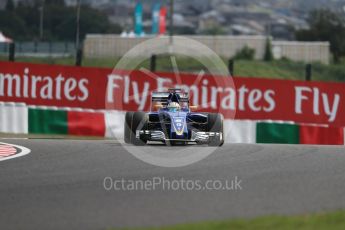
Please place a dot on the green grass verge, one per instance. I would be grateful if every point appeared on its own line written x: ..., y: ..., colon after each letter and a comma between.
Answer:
x: 327, y: 221
x: 281, y: 69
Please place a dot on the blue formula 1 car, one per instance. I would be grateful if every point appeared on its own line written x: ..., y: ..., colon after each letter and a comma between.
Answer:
x: 172, y: 122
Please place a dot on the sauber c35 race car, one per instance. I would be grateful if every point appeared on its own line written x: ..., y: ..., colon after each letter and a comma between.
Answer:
x: 172, y: 122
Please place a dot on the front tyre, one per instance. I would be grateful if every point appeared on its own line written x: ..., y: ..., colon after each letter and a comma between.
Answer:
x: 128, y: 127
x: 139, y: 122
x: 215, y: 124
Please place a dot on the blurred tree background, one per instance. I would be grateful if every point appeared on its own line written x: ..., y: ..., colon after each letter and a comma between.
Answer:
x: 22, y: 22
x: 326, y: 25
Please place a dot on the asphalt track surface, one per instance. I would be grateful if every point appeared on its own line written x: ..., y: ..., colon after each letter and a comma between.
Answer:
x: 59, y: 185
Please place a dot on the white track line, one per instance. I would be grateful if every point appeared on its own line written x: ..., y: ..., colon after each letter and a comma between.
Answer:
x: 14, y: 138
x: 24, y: 151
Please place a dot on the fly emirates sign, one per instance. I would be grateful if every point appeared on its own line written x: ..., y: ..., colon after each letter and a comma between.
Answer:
x: 241, y: 98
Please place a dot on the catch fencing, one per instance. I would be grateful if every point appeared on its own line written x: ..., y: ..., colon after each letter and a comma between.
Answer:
x: 40, y: 49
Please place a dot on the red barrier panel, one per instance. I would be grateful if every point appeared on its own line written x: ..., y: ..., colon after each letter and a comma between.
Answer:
x: 86, y: 124
x: 98, y: 88
x: 312, y: 135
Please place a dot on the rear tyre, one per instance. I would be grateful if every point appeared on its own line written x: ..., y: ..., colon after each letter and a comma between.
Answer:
x: 139, y: 122
x: 215, y: 124
x: 128, y: 127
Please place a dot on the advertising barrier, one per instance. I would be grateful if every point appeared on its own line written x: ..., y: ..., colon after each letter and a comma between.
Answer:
x: 101, y: 88
x: 110, y: 124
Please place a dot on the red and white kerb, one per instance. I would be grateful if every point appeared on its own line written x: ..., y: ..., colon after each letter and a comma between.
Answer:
x: 7, y: 150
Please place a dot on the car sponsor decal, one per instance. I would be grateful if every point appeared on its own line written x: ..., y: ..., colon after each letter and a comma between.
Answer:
x: 10, y: 151
x: 179, y: 123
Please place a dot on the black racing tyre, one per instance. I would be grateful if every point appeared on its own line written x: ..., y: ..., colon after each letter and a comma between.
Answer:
x: 139, y: 122
x: 128, y: 127
x: 215, y: 124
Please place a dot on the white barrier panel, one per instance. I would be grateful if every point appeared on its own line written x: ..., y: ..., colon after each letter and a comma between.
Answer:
x: 14, y: 118
x: 114, y: 123
x: 240, y: 131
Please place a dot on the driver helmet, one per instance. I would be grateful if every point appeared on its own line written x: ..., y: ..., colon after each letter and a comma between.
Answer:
x: 174, y: 107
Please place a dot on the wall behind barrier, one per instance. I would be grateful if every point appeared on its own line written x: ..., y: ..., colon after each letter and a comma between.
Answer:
x: 111, y: 45
x: 239, y: 98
